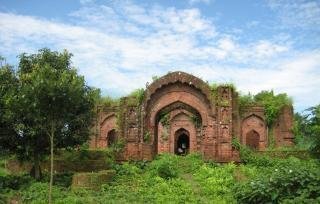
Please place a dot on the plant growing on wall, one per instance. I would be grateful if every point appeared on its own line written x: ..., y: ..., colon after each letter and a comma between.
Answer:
x: 107, y: 101
x: 164, y: 119
x: 272, y: 103
x: 223, y: 102
x: 155, y: 78
x: 195, y: 119
x: 147, y: 137
x: 136, y: 97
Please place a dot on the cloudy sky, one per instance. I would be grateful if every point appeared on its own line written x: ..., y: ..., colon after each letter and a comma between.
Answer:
x: 119, y: 45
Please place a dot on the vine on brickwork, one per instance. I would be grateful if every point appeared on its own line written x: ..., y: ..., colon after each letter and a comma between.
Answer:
x: 196, y: 120
x: 271, y: 102
x: 147, y: 136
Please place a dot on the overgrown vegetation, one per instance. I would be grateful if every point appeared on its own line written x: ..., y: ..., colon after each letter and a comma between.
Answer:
x: 214, y: 88
x: 277, y: 180
x: 46, y: 87
x: 135, y: 98
x: 164, y: 119
x: 176, y: 179
x: 147, y: 136
x: 196, y: 120
x: 107, y: 101
x: 307, y: 130
x: 271, y: 102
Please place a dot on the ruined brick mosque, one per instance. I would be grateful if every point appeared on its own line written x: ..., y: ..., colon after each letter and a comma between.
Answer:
x: 180, y: 114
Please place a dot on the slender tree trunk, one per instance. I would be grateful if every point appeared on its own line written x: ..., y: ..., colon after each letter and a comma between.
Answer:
x: 51, y: 162
x: 36, y: 164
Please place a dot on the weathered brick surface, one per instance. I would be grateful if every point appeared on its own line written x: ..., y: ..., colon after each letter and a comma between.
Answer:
x: 282, y: 130
x: 210, y: 121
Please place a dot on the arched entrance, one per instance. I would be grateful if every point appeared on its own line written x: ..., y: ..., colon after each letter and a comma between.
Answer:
x: 182, y: 142
x: 177, y: 100
x: 253, y: 139
x: 254, y: 133
x: 111, y: 137
x: 170, y: 121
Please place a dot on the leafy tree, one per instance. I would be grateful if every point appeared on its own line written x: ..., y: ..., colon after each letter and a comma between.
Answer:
x: 272, y: 104
x: 52, y: 108
x: 301, y: 131
x: 8, y: 86
x: 246, y: 100
x: 313, y: 124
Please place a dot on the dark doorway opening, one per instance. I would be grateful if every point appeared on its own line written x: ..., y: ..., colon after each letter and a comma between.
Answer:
x: 112, y: 137
x: 182, y: 142
x: 252, y: 140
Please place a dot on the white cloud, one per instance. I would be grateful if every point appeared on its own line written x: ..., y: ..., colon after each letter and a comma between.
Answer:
x: 266, y: 49
x: 298, y: 13
x: 297, y: 76
x: 118, y: 48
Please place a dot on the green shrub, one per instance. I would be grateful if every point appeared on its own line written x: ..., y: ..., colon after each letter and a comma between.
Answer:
x: 37, y: 193
x: 190, y: 163
x: 60, y: 179
x: 127, y: 169
x: 141, y: 164
x: 83, y: 155
x: 14, y: 182
x: 247, y: 156
x: 216, y: 182
x: 287, y: 179
x: 165, y: 166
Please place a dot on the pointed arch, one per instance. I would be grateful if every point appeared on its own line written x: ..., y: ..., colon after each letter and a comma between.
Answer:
x: 254, y: 132
x: 253, y: 139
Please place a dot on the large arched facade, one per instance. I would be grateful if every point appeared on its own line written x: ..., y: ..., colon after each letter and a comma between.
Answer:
x: 179, y: 101
x: 180, y: 114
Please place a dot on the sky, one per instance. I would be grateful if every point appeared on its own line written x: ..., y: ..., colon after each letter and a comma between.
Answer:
x: 119, y: 45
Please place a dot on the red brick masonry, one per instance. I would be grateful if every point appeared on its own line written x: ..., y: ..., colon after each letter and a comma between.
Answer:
x: 180, y: 114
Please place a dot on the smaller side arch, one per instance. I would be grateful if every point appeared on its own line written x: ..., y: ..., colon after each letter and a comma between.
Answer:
x: 106, y: 118
x: 106, y: 126
x: 253, y: 132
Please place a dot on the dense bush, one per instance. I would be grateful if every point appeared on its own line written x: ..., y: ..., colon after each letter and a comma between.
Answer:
x: 37, y: 193
x: 9, y: 183
x: 216, y: 182
x: 60, y: 179
x: 287, y: 181
x: 14, y: 182
x: 3, y: 170
x: 267, y: 179
x: 188, y: 179
x: 165, y: 166
x: 191, y: 163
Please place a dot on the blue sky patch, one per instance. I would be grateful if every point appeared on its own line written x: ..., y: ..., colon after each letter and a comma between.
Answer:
x: 119, y: 45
